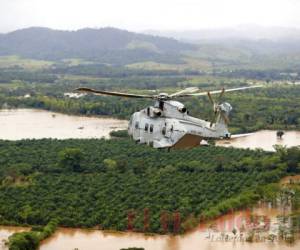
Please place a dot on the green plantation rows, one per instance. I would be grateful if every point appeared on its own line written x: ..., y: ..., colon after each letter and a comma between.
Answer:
x: 111, y: 183
x: 42, y: 155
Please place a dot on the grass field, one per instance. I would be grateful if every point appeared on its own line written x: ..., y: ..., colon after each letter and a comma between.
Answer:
x: 29, y: 64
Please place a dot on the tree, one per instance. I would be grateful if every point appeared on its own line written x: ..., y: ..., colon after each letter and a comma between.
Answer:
x: 110, y: 164
x: 71, y: 158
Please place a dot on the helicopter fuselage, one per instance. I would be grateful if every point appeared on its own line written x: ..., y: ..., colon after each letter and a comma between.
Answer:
x: 167, y: 124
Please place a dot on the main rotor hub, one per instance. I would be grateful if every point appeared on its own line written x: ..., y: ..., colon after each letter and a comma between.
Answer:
x: 163, y: 96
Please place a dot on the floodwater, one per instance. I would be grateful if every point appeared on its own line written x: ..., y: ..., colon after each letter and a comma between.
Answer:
x: 263, y: 221
x: 264, y: 139
x: 214, y: 235
x: 16, y: 124
x: 6, y: 231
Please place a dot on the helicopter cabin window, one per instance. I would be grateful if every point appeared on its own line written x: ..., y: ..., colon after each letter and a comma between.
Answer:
x: 151, y: 128
x: 146, y: 127
x: 136, y: 125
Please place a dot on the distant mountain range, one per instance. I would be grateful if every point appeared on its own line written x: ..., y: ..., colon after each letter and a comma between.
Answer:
x: 120, y: 47
x: 247, y: 40
x: 107, y: 45
x: 242, y: 32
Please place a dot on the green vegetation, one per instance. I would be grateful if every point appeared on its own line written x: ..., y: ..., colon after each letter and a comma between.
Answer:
x: 274, y: 107
x: 41, y: 84
x: 31, y: 240
x: 110, y: 184
x: 88, y: 183
x: 119, y: 133
x: 25, y: 63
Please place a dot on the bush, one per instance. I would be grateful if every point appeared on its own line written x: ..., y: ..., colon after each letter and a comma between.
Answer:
x: 30, y: 240
x: 119, y: 133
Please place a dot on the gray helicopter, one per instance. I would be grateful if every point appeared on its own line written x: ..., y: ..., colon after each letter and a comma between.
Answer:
x: 167, y: 124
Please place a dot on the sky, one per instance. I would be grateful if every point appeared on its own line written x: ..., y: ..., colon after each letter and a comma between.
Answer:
x: 139, y: 15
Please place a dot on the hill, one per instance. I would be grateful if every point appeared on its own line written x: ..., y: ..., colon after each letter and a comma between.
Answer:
x: 242, y: 32
x: 106, y: 45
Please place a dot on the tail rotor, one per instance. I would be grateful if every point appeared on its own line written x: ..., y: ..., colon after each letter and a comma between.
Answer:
x: 220, y: 110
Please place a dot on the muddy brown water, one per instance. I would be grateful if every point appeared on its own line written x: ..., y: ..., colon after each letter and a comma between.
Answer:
x: 19, y: 124
x: 16, y: 124
x: 213, y: 235
x: 263, y: 139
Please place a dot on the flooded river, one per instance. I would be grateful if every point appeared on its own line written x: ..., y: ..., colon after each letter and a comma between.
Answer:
x: 19, y: 124
x: 263, y: 223
x: 215, y: 235
x: 264, y: 139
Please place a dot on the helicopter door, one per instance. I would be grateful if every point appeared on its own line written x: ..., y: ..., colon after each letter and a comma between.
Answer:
x: 136, y: 131
x: 168, y: 130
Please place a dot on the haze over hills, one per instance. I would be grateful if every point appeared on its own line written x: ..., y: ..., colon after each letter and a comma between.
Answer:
x: 247, y: 48
x: 241, y: 32
x: 249, y: 42
x: 108, y: 45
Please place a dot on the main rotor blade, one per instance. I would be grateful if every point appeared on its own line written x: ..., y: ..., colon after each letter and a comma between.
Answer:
x: 220, y: 91
x: 221, y: 94
x: 210, y: 98
x: 185, y: 91
x: 102, y: 92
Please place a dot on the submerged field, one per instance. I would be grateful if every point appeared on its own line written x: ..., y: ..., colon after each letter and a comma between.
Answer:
x: 107, y: 183
x: 115, y: 184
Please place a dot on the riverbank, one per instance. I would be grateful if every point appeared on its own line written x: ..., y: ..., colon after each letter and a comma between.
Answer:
x: 19, y: 124
x: 257, y: 228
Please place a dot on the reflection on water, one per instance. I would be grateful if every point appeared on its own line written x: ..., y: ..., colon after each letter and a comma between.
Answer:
x: 35, y: 124
x: 264, y: 139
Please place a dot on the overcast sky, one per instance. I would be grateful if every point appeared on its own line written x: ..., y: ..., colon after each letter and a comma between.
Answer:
x: 138, y: 15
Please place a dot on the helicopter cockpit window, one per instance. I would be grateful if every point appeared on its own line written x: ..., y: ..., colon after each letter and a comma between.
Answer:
x: 136, y: 125
x: 146, y: 127
x: 151, y: 128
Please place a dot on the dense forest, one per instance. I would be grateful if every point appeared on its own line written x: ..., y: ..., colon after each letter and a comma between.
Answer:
x: 110, y: 184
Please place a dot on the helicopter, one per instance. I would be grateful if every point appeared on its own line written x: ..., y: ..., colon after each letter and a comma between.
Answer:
x: 167, y: 124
